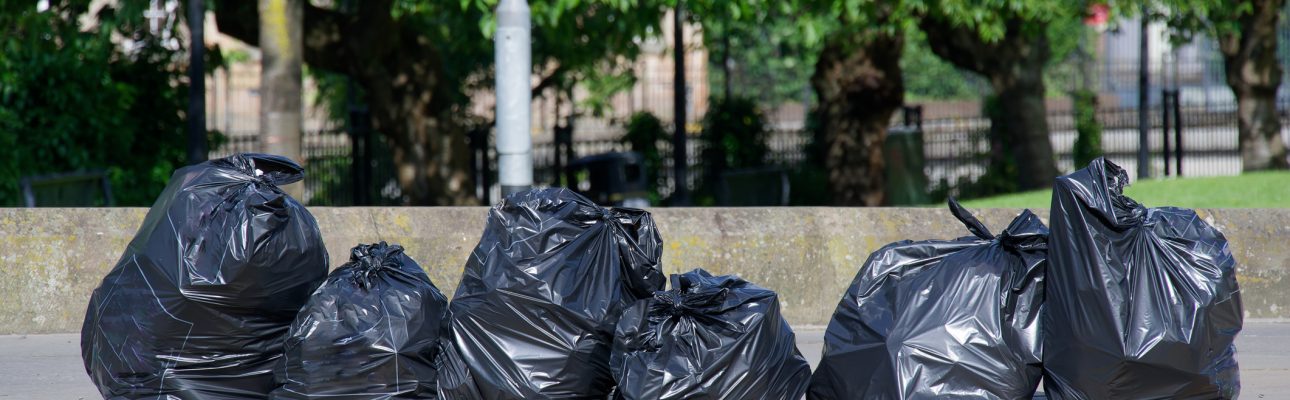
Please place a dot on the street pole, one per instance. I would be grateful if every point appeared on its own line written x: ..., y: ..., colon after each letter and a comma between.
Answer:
x: 1144, y: 121
x: 360, y: 139
x: 196, y: 82
x: 681, y: 194
x: 513, y: 58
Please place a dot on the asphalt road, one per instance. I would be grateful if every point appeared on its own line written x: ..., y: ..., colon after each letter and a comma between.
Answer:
x: 38, y: 367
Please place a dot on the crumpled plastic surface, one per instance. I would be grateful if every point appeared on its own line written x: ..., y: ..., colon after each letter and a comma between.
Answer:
x: 534, y: 314
x: 201, y: 300
x: 1142, y: 302
x: 371, y: 331
x: 708, y: 338
x: 941, y: 319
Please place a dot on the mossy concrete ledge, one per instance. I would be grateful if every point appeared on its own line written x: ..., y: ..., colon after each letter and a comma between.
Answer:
x: 54, y: 258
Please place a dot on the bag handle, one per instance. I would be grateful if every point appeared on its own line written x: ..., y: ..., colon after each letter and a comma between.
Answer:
x: 278, y: 170
x: 973, y: 225
x: 274, y: 169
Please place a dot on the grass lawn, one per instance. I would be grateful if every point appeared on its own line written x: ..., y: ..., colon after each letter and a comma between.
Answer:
x: 1251, y: 190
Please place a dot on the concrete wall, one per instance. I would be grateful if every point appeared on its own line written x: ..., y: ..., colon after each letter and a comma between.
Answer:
x: 52, y: 259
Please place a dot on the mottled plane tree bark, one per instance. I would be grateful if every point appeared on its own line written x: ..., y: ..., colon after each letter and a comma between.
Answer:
x: 859, y: 86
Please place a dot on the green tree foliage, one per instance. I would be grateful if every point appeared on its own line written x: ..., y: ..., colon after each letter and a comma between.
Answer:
x: 928, y: 77
x: 71, y: 99
x: 735, y: 132
x: 992, y: 20
x: 1188, y: 19
x: 573, y: 40
x: 768, y: 51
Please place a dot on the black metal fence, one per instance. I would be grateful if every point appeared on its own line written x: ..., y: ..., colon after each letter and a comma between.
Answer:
x: 329, y: 167
x: 788, y: 148
x: 956, y: 152
x: 957, y: 149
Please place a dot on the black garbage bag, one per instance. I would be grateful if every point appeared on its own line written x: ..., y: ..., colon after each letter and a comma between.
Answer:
x: 708, y: 338
x: 201, y: 300
x: 1142, y: 302
x: 535, y: 312
x: 454, y: 380
x: 371, y: 331
x: 941, y: 319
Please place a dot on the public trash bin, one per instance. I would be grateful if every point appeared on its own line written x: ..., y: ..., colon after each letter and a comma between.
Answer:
x: 906, y: 180
x: 534, y: 314
x: 941, y: 318
x: 754, y: 187
x: 200, y: 302
x: 709, y: 337
x: 372, y: 330
x: 1142, y: 302
x: 611, y: 179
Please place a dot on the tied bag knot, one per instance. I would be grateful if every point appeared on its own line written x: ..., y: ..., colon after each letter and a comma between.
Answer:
x: 372, y: 259
x: 267, y: 170
x: 1026, y: 237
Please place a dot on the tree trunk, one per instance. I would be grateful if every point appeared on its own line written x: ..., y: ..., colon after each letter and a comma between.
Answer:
x: 431, y: 155
x: 280, y: 80
x: 401, y: 75
x: 1254, y: 74
x: 1014, y: 65
x: 859, y: 85
x: 1022, y: 123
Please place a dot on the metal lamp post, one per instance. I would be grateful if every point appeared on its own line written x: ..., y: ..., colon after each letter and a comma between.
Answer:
x: 513, y: 58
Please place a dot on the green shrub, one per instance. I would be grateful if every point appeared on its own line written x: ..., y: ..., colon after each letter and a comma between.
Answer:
x: 1088, y: 142
x: 73, y: 100
x: 644, y: 132
x: 734, y: 134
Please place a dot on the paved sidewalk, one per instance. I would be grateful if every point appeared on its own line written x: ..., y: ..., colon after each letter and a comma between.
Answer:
x: 38, y: 367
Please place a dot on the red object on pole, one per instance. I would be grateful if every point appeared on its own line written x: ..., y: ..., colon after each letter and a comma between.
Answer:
x: 1098, y: 14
